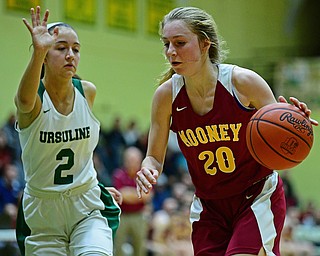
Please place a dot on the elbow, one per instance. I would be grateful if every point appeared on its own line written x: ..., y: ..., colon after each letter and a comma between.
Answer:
x: 23, y: 104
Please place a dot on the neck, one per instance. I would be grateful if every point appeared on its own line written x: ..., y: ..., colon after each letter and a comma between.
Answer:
x: 203, y: 80
x: 58, y: 88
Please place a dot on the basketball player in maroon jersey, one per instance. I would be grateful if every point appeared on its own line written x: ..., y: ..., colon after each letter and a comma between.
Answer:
x: 239, y: 205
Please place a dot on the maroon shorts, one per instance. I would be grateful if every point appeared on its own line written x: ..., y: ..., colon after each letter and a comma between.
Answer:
x: 240, y: 224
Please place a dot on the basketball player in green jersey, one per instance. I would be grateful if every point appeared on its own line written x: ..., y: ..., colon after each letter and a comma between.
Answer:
x: 64, y: 210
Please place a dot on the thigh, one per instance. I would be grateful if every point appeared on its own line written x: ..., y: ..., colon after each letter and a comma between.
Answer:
x: 92, y: 234
x: 210, y: 231
x: 260, y: 225
x: 44, y: 244
x: 44, y: 237
x: 246, y: 237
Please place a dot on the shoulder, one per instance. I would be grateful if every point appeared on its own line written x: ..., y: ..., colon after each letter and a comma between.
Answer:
x: 162, y: 99
x: 245, y: 76
x: 88, y: 86
x: 164, y: 92
x: 89, y: 90
x: 251, y: 88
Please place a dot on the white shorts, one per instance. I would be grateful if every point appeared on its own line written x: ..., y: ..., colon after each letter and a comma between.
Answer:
x: 68, y: 223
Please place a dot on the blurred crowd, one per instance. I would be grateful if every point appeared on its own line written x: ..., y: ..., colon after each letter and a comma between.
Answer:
x: 157, y: 225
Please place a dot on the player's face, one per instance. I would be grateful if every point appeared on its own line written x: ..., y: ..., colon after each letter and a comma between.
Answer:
x: 181, y: 47
x: 63, y: 58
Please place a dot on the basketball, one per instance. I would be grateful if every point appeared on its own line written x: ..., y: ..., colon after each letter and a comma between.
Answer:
x: 279, y: 136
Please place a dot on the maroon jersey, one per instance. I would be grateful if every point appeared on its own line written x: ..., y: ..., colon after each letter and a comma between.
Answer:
x: 121, y: 179
x: 214, y: 144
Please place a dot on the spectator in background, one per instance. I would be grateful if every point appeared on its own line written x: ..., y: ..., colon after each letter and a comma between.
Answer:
x: 291, y: 196
x: 13, y: 142
x: 103, y: 174
x: 161, y: 192
x: 142, y: 142
x: 7, y: 155
x: 179, y: 234
x: 160, y: 227
x: 133, y: 227
x: 12, y: 136
x: 115, y: 144
x: 131, y: 134
x: 290, y: 244
x: 10, y: 193
x: 171, y: 230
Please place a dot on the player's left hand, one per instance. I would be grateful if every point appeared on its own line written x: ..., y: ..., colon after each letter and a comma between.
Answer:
x: 301, y: 105
x: 115, y: 194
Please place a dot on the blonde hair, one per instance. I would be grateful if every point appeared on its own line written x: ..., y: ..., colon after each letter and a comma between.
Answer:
x: 200, y: 23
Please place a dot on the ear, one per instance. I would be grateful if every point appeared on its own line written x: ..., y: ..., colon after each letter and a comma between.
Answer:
x: 206, y: 43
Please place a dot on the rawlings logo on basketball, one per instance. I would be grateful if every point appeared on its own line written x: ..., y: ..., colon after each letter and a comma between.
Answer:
x: 289, y: 146
x: 299, y: 125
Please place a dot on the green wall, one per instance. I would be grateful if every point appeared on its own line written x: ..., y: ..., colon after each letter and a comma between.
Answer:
x: 125, y: 66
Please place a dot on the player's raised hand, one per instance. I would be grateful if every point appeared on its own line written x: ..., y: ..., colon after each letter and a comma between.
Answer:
x: 41, y: 39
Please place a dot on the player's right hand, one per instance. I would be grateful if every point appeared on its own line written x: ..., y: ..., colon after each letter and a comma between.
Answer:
x: 145, y: 179
x: 41, y: 38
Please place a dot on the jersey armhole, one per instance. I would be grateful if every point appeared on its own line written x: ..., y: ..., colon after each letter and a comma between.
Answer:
x: 41, y: 90
x: 77, y: 83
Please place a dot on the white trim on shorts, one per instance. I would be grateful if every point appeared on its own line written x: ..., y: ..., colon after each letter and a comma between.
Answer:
x: 261, y: 208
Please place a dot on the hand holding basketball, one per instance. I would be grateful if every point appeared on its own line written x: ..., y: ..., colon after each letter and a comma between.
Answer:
x: 303, y: 106
x: 280, y: 135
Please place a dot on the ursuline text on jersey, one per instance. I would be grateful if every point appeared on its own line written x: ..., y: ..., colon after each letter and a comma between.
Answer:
x: 64, y: 136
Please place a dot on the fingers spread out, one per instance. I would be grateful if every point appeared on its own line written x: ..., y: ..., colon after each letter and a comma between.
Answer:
x: 304, y: 107
x: 36, y: 18
x: 301, y: 105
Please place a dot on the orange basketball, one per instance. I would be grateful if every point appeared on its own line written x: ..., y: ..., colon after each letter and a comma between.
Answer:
x: 279, y: 136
